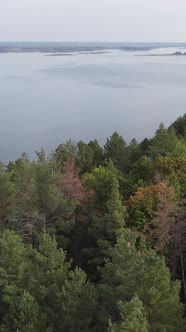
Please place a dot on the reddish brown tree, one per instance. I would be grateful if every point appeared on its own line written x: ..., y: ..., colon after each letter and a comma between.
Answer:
x: 164, y: 218
x: 71, y: 185
x: 153, y: 211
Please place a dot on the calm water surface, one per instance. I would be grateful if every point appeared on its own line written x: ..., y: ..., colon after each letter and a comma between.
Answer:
x: 45, y: 100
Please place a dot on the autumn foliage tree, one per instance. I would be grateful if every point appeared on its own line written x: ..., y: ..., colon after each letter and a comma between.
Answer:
x: 70, y: 184
x: 152, y: 211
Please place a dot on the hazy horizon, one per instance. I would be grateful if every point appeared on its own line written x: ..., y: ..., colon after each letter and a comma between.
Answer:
x: 93, y: 42
x: 93, y: 20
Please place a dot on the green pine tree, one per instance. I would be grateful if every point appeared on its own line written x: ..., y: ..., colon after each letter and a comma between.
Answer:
x: 140, y: 272
x: 133, y: 317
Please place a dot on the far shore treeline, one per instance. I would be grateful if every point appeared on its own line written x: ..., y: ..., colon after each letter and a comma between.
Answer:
x: 94, y: 238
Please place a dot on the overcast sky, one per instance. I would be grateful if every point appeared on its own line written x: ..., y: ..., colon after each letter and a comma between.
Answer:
x: 93, y: 20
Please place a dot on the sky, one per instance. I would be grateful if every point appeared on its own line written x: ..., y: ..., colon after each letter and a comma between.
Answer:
x: 93, y: 20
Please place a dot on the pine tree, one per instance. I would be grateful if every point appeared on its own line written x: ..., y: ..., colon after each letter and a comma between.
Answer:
x: 133, y: 317
x: 23, y: 315
x: 13, y: 271
x: 104, y: 230
x: 25, y: 216
x: 163, y: 143
x: 140, y: 272
x: 47, y: 195
x: 65, y: 297
x: 7, y: 196
x: 115, y: 149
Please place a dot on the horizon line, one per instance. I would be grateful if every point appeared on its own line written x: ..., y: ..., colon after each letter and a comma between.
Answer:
x: 103, y: 42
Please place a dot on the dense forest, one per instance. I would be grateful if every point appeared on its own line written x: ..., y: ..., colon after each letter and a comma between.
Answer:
x: 94, y: 238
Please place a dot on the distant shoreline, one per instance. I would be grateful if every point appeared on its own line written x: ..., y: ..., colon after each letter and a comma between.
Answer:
x: 74, y: 53
x: 167, y: 54
x: 60, y: 54
x: 56, y: 48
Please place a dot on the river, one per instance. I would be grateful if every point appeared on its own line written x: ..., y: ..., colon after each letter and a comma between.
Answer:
x: 45, y: 100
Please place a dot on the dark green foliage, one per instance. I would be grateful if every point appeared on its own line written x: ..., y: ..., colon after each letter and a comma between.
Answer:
x: 100, y: 180
x: 139, y: 272
x: 103, y: 231
x: 13, y: 272
x: 58, y: 299
x: 7, y: 196
x: 63, y: 152
x: 133, y: 315
x: 68, y: 262
x: 47, y: 196
x: 133, y: 153
x: 64, y: 295
x: 88, y: 156
x: 144, y: 146
x: 163, y: 143
x: 143, y: 169
x: 26, y: 217
x: 23, y: 315
x: 115, y: 149
x: 180, y: 126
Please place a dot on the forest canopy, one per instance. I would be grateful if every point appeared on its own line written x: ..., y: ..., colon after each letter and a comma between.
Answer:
x: 93, y: 238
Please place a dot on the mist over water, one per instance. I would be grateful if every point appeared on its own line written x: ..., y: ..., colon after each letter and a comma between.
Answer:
x: 45, y: 100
